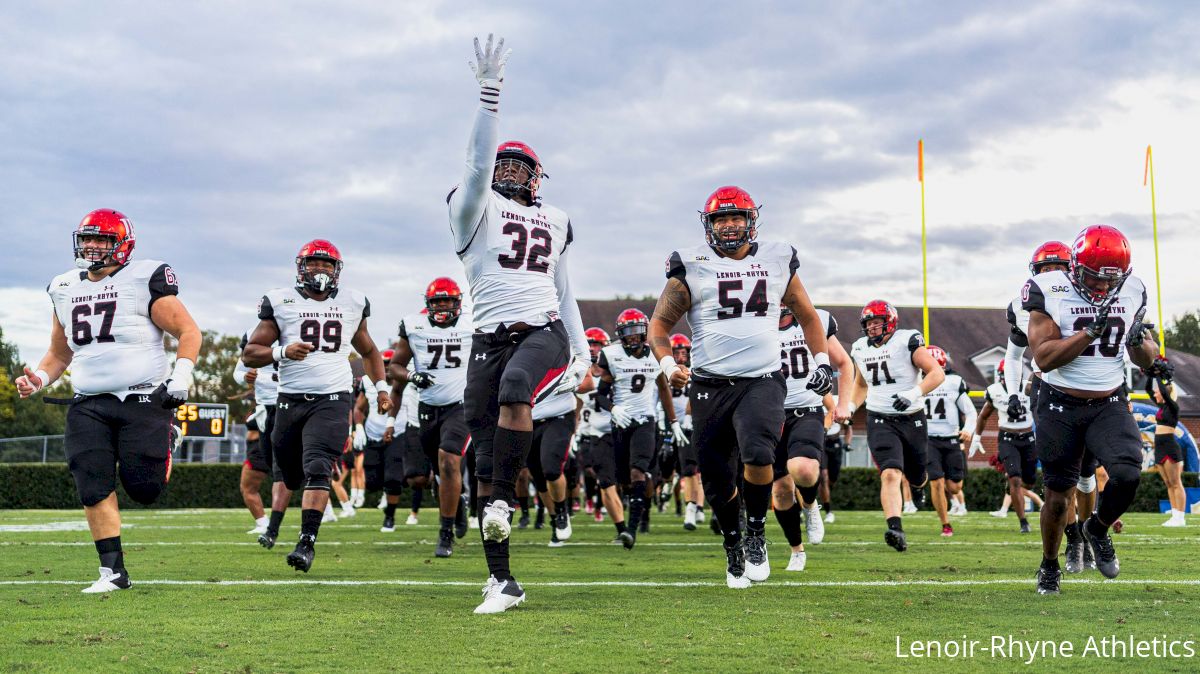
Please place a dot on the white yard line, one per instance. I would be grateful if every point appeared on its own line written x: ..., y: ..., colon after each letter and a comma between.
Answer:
x: 619, y: 583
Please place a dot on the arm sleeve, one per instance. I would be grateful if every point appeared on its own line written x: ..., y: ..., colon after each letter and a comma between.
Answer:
x: 604, y: 395
x: 967, y: 408
x: 1014, y: 366
x: 239, y: 372
x: 468, y: 201
x: 568, y: 310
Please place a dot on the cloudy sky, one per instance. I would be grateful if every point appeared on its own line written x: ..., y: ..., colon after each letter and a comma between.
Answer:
x: 232, y: 132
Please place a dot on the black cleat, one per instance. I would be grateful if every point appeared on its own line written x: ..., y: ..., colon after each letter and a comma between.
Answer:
x: 460, y: 518
x: 1025, y: 526
x: 389, y: 524
x: 1074, y: 552
x: 715, y: 525
x: 644, y: 527
x: 267, y: 539
x: 1105, y: 556
x: 896, y: 539
x: 626, y: 539
x: 1048, y: 579
x: 541, y: 519
x: 523, y: 523
x: 301, y: 558
x: 918, y: 495
x: 1089, y: 560
x: 554, y: 542
x: 445, y: 546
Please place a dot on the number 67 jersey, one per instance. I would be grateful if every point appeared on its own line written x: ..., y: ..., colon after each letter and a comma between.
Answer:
x: 327, y: 325
x: 441, y: 351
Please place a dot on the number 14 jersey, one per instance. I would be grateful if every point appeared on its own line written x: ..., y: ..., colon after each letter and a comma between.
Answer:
x: 441, y: 351
x: 328, y: 326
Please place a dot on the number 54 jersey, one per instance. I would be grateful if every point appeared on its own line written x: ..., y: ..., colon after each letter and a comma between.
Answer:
x: 735, y: 306
x: 441, y: 351
x: 327, y: 325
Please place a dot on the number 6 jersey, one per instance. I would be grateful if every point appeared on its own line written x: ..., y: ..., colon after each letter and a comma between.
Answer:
x: 796, y: 363
x: 328, y: 326
x: 441, y: 351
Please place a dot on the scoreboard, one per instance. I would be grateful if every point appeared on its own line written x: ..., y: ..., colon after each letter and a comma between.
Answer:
x: 202, y: 420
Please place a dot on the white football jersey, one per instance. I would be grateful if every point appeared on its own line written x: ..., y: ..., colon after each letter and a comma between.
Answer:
x: 115, y: 346
x: 593, y: 421
x: 735, y: 306
x: 375, y: 424
x: 441, y: 351
x: 510, y: 261
x: 1101, y: 366
x: 328, y: 325
x: 998, y: 396
x: 943, y: 407
x: 635, y: 384
x: 266, y: 384
x: 556, y: 405
x: 797, y: 364
x: 888, y: 369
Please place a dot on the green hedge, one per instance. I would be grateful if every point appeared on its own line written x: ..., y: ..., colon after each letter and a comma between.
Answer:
x: 49, y: 485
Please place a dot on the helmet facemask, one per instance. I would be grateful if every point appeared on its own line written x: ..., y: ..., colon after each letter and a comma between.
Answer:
x: 439, y: 313
x: 318, y: 281
x: 748, y: 232
x: 633, y: 337
x: 508, y: 164
x: 1081, y: 274
x: 92, y: 258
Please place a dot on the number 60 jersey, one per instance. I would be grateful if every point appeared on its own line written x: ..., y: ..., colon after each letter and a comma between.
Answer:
x: 327, y: 325
x: 441, y: 351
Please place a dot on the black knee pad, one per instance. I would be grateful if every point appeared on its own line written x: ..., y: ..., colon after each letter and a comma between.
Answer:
x: 91, y: 495
x: 393, y: 487
x: 551, y: 476
x: 605, y: 484
x: 317, y: 482
x: 688, y: 471
x: 144, y: 492
x: 1124, y: 473
x: 515, y: 386
x: 143, y: 482
x: 716, y: 491
x: 1059, y: 483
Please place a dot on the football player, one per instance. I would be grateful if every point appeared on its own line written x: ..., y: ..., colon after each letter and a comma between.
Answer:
x: 596, y: 443
x: 629, y: 368
x: 383, y: 461
x: 260, y: 461
x: 529, y: 339
x: 554, y: 422
x: 417, y: 471
x: 315, y: 324
x: 731, y: 289
x: 119, y: 422
x: 434, y: 345
x: 889, y: 364
x: 950, y: 415
x: 800, y: 451
x: 1015, y: 441
x: 689, y: 479
x: 1084, y: 325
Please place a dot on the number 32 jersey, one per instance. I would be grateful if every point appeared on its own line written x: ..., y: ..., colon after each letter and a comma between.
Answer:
x: 328, y: 326
x: 1101, y: 366
x: 888, y: 369
x: 735, y: 306
x: 116, y: 348
x: 441, y: 352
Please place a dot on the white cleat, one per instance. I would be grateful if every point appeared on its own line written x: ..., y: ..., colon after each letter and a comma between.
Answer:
x: 736, y: 582
x: 496, y: 526
x: 108, y: 582
x: 498, y: 596
x: 909, y: 507
x: 813, y: 525
x: 758, y: 566
x: 999, y: 513
x: 689, y: 517
x: 382, y: 502
x: 564, y: 534
x: 412, y: 519
x: 700, y: 517
x: 829, y: 518
x: 797, y: 561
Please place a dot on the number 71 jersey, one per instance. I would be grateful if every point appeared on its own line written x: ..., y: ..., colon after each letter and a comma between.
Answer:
x: 441, y: 351
x: 328, y: 325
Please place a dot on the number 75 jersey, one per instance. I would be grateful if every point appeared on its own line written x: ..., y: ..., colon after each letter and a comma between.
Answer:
x: 441, y: 351
x: 328, y: 325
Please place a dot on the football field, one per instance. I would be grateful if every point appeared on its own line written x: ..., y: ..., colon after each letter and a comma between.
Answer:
x: 207, y: 598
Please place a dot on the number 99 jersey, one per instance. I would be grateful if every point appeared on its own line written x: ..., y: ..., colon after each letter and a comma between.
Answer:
x: 735, y: 306
x: 797, y: 365
x: 328, y: 326
x: 635, y: 386
x: 441, y: 351
x: 1101, y: 366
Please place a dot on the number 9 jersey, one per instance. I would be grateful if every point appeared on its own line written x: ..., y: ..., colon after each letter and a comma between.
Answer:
x: 735, y: 306
x: 441, y: 351
x: 328, y: 326
x: 1101, y: 366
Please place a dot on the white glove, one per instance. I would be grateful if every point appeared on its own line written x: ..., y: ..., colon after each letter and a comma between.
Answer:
x: 31, y: 382
x: 620, y: 417
x: 681, y: 439
x: 573, y: 377
x: 175, y: 388
x: 360, y: 437
x: 488, y: 65
x: 686, y: 423
x: 976, y: 447
x: 260, y: 417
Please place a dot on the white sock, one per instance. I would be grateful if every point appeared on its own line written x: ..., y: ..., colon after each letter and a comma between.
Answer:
x: 909, y: 504
x: 262, y: 521
x: 1176, y: 514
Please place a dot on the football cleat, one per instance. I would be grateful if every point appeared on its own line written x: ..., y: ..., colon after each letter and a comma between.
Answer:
x: 909, y: 507
x: 562, y: 525
x: 758, y: 567
x: 1089, y: 560
x: 523, y: 523
x: 1105, y: 557
x: 1048, y: 580
x: 1074, y: 554
x: 829, y: 518
x: 999, y: 513
x: 496, y: 525
x: 715, y: 526
x: 947, y: 530
x: 109, y: 581
x: 700, y: 516
x: 554, y: 541
x: 626, y: 538
x: 389, y: 524
x: 382, y: 502
x: 896, y: 539
x: 301, y: 558
x: 267, y: 539
x: 813, y: 524
x: 797, y: 562
x: 689, y: 517
x: 472, y: 522
x: 1025, y: 526
x: 540, y: 520
x: 445, y: 546
x: 460, y: 518
x: 735, y: 567
x: 499, y: 596
x: 644, y: 527
x: 412, y: 519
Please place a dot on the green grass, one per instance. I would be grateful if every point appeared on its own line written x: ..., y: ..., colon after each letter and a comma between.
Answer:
x: 579, y: 624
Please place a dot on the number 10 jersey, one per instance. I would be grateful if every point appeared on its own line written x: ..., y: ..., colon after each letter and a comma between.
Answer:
x: 328, y: 326
x: 441, y: 351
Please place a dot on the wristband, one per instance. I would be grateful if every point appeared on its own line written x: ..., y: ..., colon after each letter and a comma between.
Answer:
x: 821, y: 358
x: 669, y: 366
x: 44, y: 378
x: 851, y: 406
x: 277, y: 354
x: 391, y: 422
x: 183, y: 370
x: 381, y: 386
x: 915, y: 392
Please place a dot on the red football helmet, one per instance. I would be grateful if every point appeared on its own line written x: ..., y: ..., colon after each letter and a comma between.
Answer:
x: 681, y: 349
x: 879, y: 309
x: 1051, y: 252
x: 597, y: 339
x: 443, y: 288
x: 1000, y: 370
x: 724, y: 201
x: 938, y: 353
x: 320, y: 281
x: 632, y: 327
x: 515, y: 152
x: 1100, y: 254
x: 112, y: 225
x: 388, y: 354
